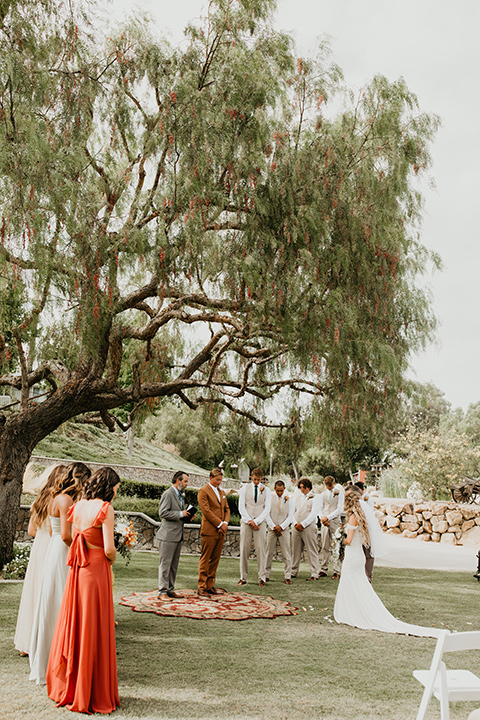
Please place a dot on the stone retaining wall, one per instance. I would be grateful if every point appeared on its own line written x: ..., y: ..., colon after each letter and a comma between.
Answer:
x: 159, y: 476
x: 444, y: 522
x: 146, y: 529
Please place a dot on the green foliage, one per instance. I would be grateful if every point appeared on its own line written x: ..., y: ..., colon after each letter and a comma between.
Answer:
x: 202, y: 223
x: 436, y: 460
x: 144, y: 497
x: 165, y: 187
x: 17, y: 567
x: 425, y: 405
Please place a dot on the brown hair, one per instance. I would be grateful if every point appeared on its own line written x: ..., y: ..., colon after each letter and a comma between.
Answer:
x: 72, y: 481
x: 258, y: 472
x: 39, y: 508
x: 215, y: 472
x: 101, y: 485
x: 352, y: 507
x: 306, y: 483
x: 329, y: 480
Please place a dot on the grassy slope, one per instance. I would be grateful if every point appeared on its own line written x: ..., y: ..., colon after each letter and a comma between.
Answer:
x: 304, y: 667
x: 88, y: 443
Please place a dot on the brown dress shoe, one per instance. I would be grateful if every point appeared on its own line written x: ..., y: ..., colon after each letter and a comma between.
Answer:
x: 175, y: 594
x: 335, y: 576
x: 262, y: 583
x: 322, y: 574
x: 163, y: 597
x: 204, y: 594
x: 242, y: 582
x: 217, y: 591
x: 311, y: 578
x: 287, y: 581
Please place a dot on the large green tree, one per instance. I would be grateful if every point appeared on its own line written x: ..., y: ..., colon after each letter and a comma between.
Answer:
x: 201, y: 214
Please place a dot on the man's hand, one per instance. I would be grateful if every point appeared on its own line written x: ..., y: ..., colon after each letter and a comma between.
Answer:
x: 185, y: 513
x: 299, y: 527
x: 325, y: 521
x: 277, y: 530
x: 223, y: 528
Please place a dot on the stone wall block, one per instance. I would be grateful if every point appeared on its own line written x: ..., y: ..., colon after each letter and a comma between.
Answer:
x: 454, y: 529
x: 440, y: 526
x: 454, y: 517
x: 392, y: 522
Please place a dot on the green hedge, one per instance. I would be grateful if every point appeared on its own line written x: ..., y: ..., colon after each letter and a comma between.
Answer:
x: 139, y: 496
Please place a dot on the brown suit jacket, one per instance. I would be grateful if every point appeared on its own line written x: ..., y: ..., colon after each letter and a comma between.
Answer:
x: 213, y: 512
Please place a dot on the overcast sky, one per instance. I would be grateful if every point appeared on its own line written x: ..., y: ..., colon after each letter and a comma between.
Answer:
x: 434, y: 45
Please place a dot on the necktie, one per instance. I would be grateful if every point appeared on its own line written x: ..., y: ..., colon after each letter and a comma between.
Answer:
x: 279, y: 504
x: 255, y: 494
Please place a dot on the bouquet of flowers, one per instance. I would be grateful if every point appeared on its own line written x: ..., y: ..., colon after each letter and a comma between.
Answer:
x: 338, y: 548
x: 125, y: 536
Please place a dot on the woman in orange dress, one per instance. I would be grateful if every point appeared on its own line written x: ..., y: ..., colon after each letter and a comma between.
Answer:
x: 82, y: 668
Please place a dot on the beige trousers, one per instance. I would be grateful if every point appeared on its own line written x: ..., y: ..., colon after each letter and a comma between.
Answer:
x: 259, y: 539
x: 307, y: 539
x: 327, y: 537
x: 284, y: 542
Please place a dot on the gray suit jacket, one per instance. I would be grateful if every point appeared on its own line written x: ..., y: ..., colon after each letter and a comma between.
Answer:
x: 171, y: 527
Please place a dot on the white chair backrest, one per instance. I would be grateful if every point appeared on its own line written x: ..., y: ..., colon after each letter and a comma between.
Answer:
x: 462, y: 641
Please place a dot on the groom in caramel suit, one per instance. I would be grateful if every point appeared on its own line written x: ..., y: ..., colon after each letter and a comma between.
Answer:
x: 215, y: 516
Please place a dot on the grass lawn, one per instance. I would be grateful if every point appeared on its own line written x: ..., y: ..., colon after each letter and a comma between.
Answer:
x: 291, y: 668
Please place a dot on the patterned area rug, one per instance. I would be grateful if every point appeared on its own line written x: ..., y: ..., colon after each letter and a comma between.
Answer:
x: 231, y: 606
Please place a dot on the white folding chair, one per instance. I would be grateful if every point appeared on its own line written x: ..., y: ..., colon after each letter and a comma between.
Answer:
x: 449, y: 685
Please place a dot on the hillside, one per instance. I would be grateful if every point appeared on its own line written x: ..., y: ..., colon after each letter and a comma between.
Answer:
x: 74, y: 441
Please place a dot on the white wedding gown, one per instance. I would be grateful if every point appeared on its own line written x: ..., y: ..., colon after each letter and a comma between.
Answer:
x: 53, y: 583
x: 357, y: 603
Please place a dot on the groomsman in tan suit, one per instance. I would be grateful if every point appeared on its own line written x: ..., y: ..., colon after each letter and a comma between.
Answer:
x: 278, y: 528
x: 215, y: 516
x: 305, y: 531
x: 330, y: 511
x: 254, y: 507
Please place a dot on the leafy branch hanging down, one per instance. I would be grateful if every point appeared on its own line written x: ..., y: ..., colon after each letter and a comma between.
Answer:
x: 197, y: 223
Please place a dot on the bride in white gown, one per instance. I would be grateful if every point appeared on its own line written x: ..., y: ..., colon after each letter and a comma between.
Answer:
x: 356, y: 602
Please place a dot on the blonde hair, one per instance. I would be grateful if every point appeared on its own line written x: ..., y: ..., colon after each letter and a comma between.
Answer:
x: 39, y: 508
x: 352, y: 507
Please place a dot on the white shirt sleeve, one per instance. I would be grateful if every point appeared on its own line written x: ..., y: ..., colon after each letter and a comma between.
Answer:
x: 266, y: 510
x: 341, y: 498
x: 241, y: 505
x: 312, y: 516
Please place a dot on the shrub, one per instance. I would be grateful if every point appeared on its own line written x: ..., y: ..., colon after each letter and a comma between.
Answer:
x: 17, y: 567
x: 136, y: 490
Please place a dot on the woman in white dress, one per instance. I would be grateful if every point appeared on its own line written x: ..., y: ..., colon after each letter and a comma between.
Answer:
x: 65, y: 492
x: 356, y: 602
x: 39, y: 528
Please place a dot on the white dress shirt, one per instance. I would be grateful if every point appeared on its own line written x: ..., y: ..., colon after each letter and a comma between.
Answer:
x: 242, y: 509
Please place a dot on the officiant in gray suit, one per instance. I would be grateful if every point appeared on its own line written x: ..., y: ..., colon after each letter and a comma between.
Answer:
x: 173, y: 513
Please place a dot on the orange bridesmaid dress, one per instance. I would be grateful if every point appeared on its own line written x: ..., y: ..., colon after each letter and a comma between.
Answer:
x: 82, y: 668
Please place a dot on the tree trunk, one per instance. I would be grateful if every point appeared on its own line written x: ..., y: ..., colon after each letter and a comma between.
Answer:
x: 18, y: 438
x: 15, y: 453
